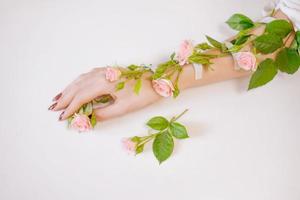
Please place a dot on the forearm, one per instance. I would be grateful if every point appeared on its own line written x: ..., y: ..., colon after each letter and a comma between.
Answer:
x: 221, y: 70
x: 223, y: 67
x: 88, y: 90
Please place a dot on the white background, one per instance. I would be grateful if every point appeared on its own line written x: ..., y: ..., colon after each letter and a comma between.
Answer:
x: 243, y: 145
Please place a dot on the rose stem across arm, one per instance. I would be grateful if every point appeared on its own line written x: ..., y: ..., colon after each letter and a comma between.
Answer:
x: 223, y: 67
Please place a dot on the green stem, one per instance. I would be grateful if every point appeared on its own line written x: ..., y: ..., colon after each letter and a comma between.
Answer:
x: 128, y: 74
x: 171, y: 73
x: 284, y: 44
x: 223, y: 55
x: 178, y: 116
x: 147, y: 139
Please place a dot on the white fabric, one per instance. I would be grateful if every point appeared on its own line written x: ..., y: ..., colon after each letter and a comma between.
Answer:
x: 292, y: 9
x: 198, y: 68
x: 289, y: 7
x: 267, y: 19
x: 229, y: 45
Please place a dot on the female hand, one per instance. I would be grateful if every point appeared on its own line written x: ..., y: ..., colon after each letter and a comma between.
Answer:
x: 92, y: 85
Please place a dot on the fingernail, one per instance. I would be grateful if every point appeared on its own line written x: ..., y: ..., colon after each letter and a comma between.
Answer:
x: 61, y: 116
x: 52, y: 106
x: 57, y: 97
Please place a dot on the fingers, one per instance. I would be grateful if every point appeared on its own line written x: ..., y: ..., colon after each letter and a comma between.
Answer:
x: 57, y: 97
x: 65, y: 99
x: 81, y: 97
x: 72, y: 108
x: 62, y: 100
x: 82, y: 90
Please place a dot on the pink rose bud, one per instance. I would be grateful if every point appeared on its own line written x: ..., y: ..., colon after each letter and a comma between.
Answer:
x: 112, y: 74
x: 185, y: 51
x: 81, y: 123
x: 245, y: 60
x: 163, y: 87
x: 128, y: 145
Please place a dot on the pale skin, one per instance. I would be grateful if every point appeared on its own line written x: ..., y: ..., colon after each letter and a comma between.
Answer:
x: 90, y: 85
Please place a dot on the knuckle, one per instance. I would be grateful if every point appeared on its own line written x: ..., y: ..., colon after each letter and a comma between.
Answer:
x: 60, y: 104
x: 76, y: 101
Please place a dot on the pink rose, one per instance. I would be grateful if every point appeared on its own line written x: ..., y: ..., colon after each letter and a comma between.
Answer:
x: 185, y: 51
x: 112, y: 74
x: 245, y: 60
x: 81, y: 123
x: 128, y: 145
x: 163, y: 87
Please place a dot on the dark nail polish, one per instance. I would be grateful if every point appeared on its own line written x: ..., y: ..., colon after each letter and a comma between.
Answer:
x: 57, y: 97
x: 52, y: 106
x: 61, y: 116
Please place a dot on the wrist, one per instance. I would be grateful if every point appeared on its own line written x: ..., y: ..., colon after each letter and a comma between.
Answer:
x: 187, y: 77
x: 280, y: 15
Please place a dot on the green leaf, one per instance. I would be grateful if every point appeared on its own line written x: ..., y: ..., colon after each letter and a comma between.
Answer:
x: 158, y: 123
x: 88, y: 109
x: 178, y: 130
x: 241, y: 40
x: 176, y: 91
x: 199, y: 60
x: 205, y: 55
x: 265, y: 72
x: 240, y: 22
x: 172, y: 56
x: 138, y: 86
x: 288, y: 60
x: 103, y: 99
x: 163, y: 146
x: 298, y: 40
x: 294, y: 45
x: 120, y: 86
x: 223, y: 48
x: 70, y: 120
x: 136, y: 139
x: 214, y: 42
x: 235, y: 48
x: 161, y: 69
x: 279, y: 27
x: 203, y: 46
x: 139, y: 149
x: 93, y: 120
x: 195, y: 58
x: 268, y: 43
x: 298, y: 37
x: 133, y: 67
x: 81, y: 109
